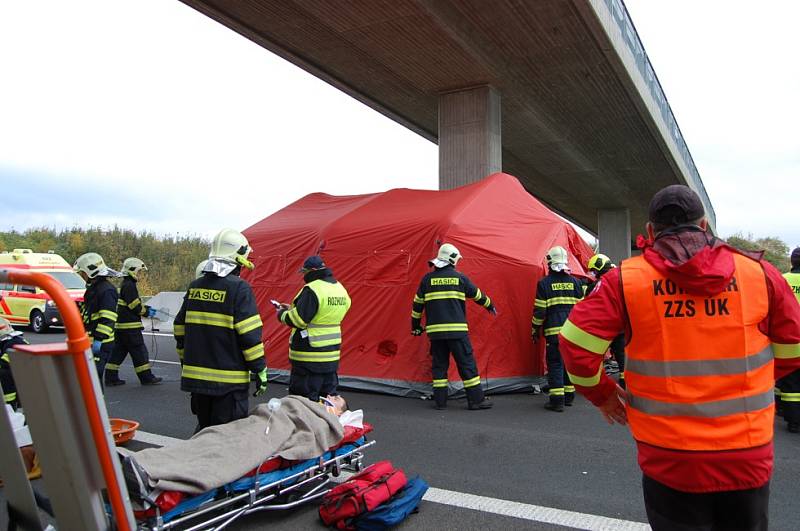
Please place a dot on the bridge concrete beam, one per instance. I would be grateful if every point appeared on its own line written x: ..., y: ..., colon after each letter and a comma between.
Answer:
x: 470, y: 145
x: 614, y: 233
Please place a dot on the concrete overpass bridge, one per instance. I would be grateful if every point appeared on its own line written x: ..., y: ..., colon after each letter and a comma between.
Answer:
x: 559, y: 93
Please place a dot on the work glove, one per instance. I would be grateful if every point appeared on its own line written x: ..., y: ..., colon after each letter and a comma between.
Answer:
x: 492, y: 310
x: 96, y: 346
x: 151, y: 312
x: 261, y: 383
x: 416, y: 331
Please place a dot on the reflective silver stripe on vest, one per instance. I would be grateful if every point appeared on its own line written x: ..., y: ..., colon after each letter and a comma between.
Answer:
x: 323, y: 337
x: 326, y: 337
x: 718, y: 367
x: 719, y: 408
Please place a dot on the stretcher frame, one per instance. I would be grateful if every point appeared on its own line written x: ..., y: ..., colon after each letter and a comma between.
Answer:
x: 257, y: 498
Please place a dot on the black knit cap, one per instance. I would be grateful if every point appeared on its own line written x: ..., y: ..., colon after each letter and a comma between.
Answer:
x: 675, y: 205
x: 796, y: 257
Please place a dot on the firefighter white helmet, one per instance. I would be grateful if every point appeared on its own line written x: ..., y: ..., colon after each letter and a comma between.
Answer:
x: 93, y: 266
x: 231, y: 244
x: 131, y: 267
x: 448, y: 255
x: 198, y: 271
x: 557, y: 256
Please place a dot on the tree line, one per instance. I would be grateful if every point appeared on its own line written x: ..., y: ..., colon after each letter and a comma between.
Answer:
x: 171, y: 260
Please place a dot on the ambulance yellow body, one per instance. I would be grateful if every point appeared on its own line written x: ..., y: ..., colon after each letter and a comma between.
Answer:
x: 26, y: 305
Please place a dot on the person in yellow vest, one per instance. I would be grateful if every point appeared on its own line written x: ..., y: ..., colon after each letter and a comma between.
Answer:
x: 709, y: 328
x: 787, y: 389
x: 315, y: 317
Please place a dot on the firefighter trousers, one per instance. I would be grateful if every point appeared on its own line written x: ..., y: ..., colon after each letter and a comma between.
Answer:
x: 790, y: 396
x: 461, y: 349
x: 129, y: 342
x: 561, y: 391
x: 213, y: 410
x: 310, y: 384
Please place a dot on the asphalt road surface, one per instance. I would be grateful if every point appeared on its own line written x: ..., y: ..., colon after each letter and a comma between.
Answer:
x: 516, y: 466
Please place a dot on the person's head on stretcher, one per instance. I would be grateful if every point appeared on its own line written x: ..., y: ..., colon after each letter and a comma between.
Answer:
x: 335, y: 404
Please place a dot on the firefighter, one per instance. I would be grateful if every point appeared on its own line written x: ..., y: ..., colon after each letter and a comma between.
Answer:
x: 441, y: 295
x: 8, y: 339
x: 99, y: 306
x: 218, y: 335
x: 128, y: 330
x: 556, y: 294
x: 787, y: 389
x: 709, y: 328
x: 598, y: 266
x: 315, y: 317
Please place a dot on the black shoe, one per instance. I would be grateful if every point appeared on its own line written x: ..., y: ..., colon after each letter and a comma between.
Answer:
x: 568, y: 404
x: 554, y: 407
x: 794, y: 427
x: 114, y: 382
x: 440, y: 406
x: 483, y: 404
x: 155, y: 380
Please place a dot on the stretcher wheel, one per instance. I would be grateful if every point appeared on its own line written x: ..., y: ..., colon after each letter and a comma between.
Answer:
x: 123, y: 430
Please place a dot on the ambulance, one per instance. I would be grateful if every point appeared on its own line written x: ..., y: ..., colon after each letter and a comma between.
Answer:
x: 27, y: 305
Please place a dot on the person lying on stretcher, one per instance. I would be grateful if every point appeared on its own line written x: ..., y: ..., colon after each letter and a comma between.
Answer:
x: 298, y: 430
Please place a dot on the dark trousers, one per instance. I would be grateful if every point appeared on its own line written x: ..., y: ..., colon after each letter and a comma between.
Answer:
x: 790, y: 396
x: 129, y: 342
x: 561, y: 390
x: 9, y: 387
x: 673, y: 510
x: 213, y: 410
x: 102, y: 358
x: 310, y: 384
x: 618, y: 351
x: 461, y: 349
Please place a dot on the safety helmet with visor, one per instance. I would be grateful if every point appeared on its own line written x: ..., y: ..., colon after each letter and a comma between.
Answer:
x: 92, y: 266
x: 599, y: 263
x: 231, y: 244
x: 448, y: 255
x: 131, y: 267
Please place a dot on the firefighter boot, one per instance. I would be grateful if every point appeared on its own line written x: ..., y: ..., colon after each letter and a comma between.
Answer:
x: 555, y: 403
x: 440, y: 397
x: 793, y: 427
x: 476, y: 400
x: 111, y: 377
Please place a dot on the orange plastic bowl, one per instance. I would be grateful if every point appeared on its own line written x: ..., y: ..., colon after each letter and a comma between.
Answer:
x: 123, y: 430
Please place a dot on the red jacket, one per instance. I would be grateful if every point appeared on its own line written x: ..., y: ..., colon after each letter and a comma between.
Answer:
x: 703, y: 266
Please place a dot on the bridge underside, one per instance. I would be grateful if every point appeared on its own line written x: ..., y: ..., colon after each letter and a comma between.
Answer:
x: 559, y: 104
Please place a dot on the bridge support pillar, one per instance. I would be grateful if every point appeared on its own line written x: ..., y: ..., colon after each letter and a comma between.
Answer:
x: 469, y: 136
x: 614, y: 233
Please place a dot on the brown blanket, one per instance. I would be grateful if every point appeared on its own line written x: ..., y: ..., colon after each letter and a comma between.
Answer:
x: 300, y: 429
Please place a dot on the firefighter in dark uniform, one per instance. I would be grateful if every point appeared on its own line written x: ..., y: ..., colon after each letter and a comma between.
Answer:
x: 218, y: 335
x: 128, y: 330
x: 556, y: 294
x: 9, y: 338
x: 598, y: 266
x: 315, y: 343
x: 787, y: 389
x: 442, y: 295
x: 99, y: 307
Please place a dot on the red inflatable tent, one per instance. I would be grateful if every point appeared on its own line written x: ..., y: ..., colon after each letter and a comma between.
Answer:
x: 378, y: 246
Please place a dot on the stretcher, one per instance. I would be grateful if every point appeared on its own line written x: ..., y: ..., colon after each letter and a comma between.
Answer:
x: 275, y: 485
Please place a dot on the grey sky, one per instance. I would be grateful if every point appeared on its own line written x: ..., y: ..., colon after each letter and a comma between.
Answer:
x: 152, y: 116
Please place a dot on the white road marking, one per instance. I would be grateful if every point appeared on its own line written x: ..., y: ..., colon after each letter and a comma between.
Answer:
x: 159, y: 334
x: 533, y: 513
x: 523, y: 511
x: 154, y: 438
x: 166, y: 361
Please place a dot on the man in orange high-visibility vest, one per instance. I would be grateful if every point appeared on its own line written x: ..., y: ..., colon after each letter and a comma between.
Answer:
x: 708, y: 329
